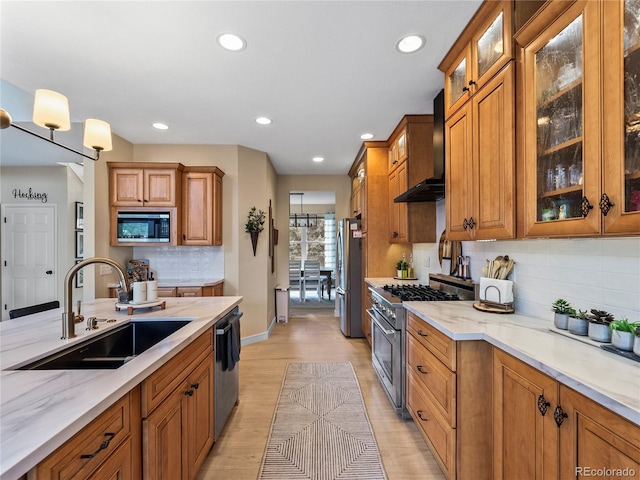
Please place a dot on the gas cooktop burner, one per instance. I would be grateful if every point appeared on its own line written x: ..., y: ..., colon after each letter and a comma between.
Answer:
x: 423, y: 293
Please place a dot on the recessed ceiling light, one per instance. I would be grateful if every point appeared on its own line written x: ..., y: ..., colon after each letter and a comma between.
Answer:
x: 263, y: 121
x: 367, y: 136
x: 410, y: 43
x: 318, y: 159
x: 161, y: 126
x: 231, y: 42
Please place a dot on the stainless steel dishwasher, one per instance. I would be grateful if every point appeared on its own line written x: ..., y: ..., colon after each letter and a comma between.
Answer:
x: 225, y: 371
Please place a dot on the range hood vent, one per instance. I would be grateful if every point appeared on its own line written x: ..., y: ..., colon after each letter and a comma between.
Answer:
x: 431, y: 189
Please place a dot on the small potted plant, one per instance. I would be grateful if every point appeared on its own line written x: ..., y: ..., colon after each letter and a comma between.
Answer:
x: 599, y: 321
x: 561, y: 309
x: 254, y: 225
x: 623, y: 333
x: 636, y: 342
x: 578, y: 323
x: 401, y: 268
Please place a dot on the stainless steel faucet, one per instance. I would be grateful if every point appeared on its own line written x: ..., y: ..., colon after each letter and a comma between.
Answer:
x: 68, y: 316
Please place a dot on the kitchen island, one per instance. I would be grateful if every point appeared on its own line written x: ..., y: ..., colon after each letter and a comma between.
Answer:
x: 41, y: 409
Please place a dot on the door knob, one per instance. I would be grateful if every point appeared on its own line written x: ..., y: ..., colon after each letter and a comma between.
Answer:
x: 49, y: 272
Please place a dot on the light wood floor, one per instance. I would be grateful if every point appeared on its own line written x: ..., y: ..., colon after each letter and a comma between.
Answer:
x: 310, y: 336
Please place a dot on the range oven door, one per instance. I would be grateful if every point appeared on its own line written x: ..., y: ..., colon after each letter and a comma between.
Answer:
x: 386, y: 355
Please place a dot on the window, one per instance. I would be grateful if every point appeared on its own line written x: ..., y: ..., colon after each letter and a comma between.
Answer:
x: 316, y: 242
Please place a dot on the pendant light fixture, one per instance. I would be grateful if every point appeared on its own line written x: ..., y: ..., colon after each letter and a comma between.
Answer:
x: 304, y: 219
x: 51, y: 110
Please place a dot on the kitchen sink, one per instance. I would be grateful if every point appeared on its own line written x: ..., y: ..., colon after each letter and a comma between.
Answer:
x: 114, y: 348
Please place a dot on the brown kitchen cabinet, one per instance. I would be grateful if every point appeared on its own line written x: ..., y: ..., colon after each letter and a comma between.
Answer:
x: 480, y: 163
x: 144, y: 184
x: 177, y: 411
x: 379, y: 257
x: 189, y: 291
x: 202, y: 206
x: 483, y: 48
x: 581, y: 109
x: 545, y: 430
x: 111, y: 445
x: 448, y: 383
x: 412, y: 140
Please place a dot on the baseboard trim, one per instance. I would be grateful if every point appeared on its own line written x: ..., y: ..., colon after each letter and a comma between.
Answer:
x: 259, y: 337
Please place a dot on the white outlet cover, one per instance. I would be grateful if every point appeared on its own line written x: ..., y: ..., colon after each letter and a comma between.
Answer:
x: 106, y: 270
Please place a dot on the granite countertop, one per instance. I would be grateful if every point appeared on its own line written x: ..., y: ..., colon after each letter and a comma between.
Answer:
x: 607, y: 378
x: 42, y: 409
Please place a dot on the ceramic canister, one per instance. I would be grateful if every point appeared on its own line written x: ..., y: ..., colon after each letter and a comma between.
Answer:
x: 139, y: 292
x: 152, y: 290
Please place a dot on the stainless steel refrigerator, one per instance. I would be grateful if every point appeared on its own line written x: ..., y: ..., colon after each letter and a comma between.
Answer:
x: 349, y: 276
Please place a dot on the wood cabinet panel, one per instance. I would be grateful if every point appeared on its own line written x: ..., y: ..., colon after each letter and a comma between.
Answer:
x: 127, y: 186
x: 144, y: 184
x: 202, y: 206
x: 160, y: 187
x: 167, y: 292
x: 439, y: 382
x: 164, y: 444
x: 525, y: 442
x: 593, y: 438
x: 438, y: 434
x: 199, y: 415
x: 164, y: 380
x: 436, y: 342
x: 189, y: 291
x: 110, y: 443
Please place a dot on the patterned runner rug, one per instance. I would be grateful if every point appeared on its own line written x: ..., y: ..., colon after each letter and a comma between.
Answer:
x: 320, y: 429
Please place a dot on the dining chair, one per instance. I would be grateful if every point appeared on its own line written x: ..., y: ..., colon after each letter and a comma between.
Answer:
x: 312, y: 277
x: 296, y: 281
x: 41, y: 307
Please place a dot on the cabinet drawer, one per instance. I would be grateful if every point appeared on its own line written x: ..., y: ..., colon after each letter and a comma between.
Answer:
x: 167, y: 292
x: 440, y: 437
x: 189, y: 291
x: 101, y: 437
x: 162, y: 382
x: 436, y: 342
x: 437, y: 379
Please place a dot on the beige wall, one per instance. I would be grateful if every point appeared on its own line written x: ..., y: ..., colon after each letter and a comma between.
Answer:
x: 341, y: 184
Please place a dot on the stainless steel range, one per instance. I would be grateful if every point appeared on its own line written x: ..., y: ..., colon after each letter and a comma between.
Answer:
x: 388, y: 327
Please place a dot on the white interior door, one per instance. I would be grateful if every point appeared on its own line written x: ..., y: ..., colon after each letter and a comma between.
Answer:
x: 29, y: 264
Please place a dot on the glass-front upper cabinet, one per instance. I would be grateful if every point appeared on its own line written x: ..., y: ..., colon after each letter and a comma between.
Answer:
x: 562, y: 121
x: 621, y: 126
x: 482, y: 50
x: 559, y: 119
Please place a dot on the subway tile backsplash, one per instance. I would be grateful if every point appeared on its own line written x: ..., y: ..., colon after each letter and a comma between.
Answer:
x: 183, y: 264
x: 602, y: 273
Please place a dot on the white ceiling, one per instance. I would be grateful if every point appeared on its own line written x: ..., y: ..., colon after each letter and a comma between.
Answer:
x: 324, y: 71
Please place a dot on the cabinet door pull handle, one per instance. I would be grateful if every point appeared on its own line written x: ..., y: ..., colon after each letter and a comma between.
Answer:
x: 195, y: 385
x: 465, y: 224
x: 471, y: 82
x: 465, y: 89
x: 103, y: 445
x: 585, y: 207
x: 422, y: 334
x: 139, y: 200
x: 472, y: 223
x: 189, y: 392
x: 419, y: 413
x: 543, y: 405
x: 559, y: 415
x: 606, y: 204
x: 421, y: 369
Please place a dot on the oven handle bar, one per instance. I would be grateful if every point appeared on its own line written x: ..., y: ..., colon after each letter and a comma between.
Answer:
x: 379, y: 325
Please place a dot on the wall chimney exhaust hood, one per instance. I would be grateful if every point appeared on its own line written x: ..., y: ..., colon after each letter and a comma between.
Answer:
x: 431, y: 189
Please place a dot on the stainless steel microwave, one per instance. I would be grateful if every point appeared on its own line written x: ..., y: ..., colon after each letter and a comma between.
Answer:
x: 144, y: 227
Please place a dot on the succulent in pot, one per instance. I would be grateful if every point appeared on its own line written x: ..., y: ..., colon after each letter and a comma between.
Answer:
x: 636, y: 342
x: 623, y: 333
x: 578, y: 323
x: 561, y: 309
x: 599, y: 321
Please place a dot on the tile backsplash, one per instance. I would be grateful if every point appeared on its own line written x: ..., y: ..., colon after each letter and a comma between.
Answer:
x: 602, y: 273
x: 183, y: 264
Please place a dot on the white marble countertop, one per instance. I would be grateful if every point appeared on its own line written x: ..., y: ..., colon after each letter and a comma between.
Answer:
x: 607, y: 378
x: 189, y: 283
x: 42, y: 409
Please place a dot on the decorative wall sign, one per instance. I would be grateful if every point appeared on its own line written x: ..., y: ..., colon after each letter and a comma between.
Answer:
x: 29, y: 195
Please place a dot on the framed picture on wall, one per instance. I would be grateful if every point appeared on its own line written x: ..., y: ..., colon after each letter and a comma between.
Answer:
x: 80, y: 277
x: 79, y: 216
x: 79, y: 244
